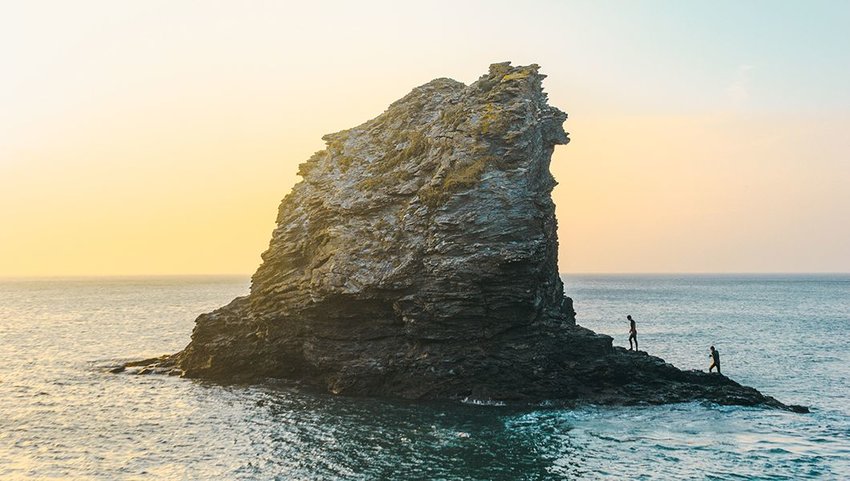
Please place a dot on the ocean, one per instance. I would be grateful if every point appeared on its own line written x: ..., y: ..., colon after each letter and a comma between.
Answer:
x: 63, y: 417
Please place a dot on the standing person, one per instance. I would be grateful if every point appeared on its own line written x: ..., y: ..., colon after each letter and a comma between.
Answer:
x: 715, y: 360
x: 632, y: 333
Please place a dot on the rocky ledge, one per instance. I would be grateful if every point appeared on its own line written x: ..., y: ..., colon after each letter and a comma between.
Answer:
x: 418, y: 259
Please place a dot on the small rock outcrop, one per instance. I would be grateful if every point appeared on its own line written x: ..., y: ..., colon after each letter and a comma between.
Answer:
x: 418, y: 259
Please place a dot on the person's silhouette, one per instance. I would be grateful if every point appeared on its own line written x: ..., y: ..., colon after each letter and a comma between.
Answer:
x: 715, y: 360
x: 632, y: 333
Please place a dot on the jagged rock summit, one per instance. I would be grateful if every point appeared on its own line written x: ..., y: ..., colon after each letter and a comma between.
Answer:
x: 418, y: 259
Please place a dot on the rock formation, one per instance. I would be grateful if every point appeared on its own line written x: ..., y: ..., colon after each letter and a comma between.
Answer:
x: 418, y: 259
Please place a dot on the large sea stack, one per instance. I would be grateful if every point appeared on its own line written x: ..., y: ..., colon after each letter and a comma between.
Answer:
x: 418, y: 259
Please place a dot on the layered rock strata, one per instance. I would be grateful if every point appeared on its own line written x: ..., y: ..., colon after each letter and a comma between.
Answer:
x: 418, y: 259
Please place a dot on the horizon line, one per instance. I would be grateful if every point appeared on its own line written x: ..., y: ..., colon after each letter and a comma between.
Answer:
x: 244, y: 275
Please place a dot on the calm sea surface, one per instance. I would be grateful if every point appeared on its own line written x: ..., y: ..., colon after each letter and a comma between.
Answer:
x: 62, y: 417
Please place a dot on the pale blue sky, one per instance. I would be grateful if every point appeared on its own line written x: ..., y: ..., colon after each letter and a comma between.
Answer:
x: 789, y: 55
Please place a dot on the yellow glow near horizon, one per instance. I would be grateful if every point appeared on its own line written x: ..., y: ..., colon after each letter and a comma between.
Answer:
x: 702, y: 194
x: 159, y: 137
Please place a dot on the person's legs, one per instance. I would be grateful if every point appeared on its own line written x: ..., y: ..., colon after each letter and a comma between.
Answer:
x: 712, y: 367
x: 631, y: 336
x: 636, y: 346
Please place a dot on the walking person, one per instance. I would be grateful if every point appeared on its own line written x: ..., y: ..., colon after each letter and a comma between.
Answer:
x: 632, y: 333
x: 715, y: 360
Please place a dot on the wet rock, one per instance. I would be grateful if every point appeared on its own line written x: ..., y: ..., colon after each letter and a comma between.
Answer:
x: 418, y: 259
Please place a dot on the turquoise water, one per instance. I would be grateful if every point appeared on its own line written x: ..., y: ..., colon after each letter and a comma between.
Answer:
x: 62, y: 417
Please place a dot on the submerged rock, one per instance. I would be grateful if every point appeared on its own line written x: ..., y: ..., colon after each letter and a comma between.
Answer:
x: 418, y: 259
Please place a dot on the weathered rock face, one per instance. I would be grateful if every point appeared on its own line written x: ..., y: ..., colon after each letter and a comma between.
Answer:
x: 418, y: 258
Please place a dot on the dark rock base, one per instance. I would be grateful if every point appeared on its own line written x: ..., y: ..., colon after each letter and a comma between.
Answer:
x: 506, y: 369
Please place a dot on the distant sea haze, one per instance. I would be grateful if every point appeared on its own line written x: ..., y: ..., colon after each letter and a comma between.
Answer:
x: 786, y: 335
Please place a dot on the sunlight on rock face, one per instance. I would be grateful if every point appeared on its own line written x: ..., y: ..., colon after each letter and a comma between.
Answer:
x: 418, y: 259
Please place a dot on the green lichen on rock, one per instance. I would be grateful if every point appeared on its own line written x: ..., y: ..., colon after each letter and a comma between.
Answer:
x: 345, y: 162
x: 492, y: 120
x: 406, y: 147
x: 516, y: 75
x: 460, y: 177
x: 467, y: 174
x: 452, y: 116
x: 305, y: 168
x: 402, y: 150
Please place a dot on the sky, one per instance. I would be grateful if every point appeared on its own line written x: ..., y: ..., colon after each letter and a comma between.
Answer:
x: 158, y: 137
